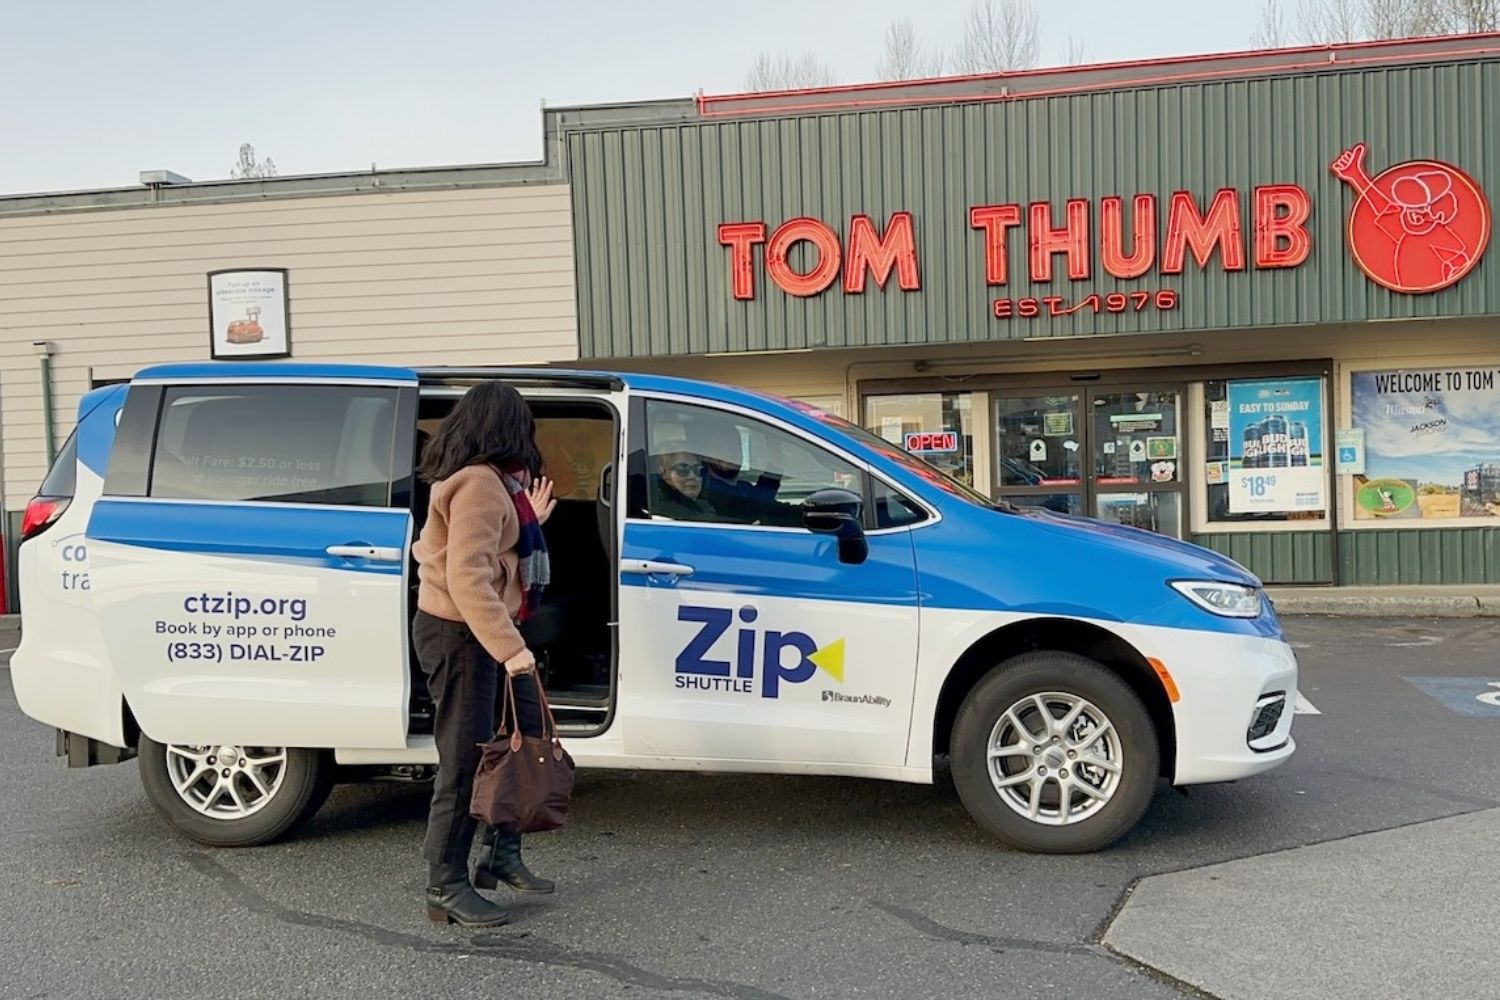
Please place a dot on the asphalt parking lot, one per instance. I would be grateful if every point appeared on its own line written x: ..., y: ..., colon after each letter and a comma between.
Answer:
x: 743, y: 887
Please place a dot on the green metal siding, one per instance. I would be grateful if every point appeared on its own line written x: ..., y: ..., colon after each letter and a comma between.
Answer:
x: 1431, y: 555
x: 1278, y: 557
x: 647, y: 200
x: 1384, y: 556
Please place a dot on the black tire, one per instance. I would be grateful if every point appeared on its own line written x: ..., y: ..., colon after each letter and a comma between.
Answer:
x: 305, y: 784
x: 1065, y: 673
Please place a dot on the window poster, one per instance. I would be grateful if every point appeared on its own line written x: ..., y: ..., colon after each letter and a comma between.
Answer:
x: 1432, y: 443
x: 1276, y: 462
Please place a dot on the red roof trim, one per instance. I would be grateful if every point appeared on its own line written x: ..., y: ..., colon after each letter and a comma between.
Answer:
x: 708, y: 105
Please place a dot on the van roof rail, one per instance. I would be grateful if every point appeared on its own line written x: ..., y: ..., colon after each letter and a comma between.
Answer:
x: 555, y: 377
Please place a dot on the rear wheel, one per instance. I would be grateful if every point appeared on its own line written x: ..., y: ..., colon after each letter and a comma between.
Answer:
x: 234, y: 796
x: 1054, y: 753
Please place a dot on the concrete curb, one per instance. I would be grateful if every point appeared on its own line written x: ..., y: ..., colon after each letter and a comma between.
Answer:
x: 1363, y: 603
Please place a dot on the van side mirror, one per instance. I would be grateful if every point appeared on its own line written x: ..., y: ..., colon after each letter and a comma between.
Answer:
x: 837, y: 512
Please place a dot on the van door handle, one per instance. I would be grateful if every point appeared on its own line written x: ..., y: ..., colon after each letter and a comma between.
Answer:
x: 648, y: 567
x: 374, y: 553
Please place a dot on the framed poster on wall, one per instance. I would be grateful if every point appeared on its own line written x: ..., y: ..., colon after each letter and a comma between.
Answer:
x: 248, y: 313
x: 1432, y: 443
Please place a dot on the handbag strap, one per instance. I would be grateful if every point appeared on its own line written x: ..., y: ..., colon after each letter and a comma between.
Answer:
x: 547, y: 717
x: 509, y: 715
x: 510, y: 724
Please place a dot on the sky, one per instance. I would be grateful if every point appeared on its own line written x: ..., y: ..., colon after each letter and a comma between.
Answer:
x: 94, y: 91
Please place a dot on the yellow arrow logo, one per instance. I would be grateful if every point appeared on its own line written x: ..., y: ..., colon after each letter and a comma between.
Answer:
x: 830, y: 660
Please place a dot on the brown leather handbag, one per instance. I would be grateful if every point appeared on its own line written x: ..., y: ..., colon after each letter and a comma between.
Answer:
x: 524, y: 783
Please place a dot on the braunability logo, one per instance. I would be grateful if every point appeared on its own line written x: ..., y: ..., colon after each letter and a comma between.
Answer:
x: 1416, y: 227
x: 762, y: 659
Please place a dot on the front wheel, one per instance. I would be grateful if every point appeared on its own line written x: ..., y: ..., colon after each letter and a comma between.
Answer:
x: 1054, y: 753
x: 234, y: 796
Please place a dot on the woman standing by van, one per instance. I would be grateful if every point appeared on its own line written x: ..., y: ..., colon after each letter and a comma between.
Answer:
x: 482, y: 564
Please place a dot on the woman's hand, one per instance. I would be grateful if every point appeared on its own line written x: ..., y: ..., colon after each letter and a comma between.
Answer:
x: 522, y: 663
x: 542, y: 501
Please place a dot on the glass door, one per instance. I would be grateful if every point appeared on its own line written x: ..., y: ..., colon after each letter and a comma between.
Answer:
x: 1137, y: 461
x: 1111, y: 453
x: 1040, y: 451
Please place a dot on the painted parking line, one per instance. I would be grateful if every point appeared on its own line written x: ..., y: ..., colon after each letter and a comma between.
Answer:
x: 1424, y: 640
x: 1305, y: 707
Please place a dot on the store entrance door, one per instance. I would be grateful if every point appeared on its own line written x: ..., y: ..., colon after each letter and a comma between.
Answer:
x: 1113, y: 453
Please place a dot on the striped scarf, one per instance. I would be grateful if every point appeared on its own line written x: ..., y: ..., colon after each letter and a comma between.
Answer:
x: 531, y: 547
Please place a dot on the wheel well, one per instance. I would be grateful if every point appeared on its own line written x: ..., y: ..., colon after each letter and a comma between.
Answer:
x: 129, y: 726
x: 1064, y: 636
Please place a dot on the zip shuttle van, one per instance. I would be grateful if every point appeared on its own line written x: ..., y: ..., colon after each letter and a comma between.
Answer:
x: 217, y: 579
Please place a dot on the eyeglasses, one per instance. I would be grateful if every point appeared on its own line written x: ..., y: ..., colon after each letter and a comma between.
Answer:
x: 683, y: 469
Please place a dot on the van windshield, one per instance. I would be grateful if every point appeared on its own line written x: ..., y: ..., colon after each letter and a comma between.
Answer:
x: 905, y: 459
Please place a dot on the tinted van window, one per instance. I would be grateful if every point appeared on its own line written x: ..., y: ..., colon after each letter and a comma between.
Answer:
x: 62, y: 478
x: 893, y: 509
x: 712, y: 465
x: 287, y: 443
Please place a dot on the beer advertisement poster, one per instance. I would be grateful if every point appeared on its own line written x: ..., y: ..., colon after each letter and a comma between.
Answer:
x: 1276, y: 446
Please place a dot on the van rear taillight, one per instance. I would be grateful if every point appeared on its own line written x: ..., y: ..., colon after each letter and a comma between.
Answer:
x: 41, y: 514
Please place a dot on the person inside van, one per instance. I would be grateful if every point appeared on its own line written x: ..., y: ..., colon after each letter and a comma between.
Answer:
x: 482, y: 564
x: 677, y: 479
x: 718, y: 442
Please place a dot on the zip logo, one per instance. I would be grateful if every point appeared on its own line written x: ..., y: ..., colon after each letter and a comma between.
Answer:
x: 784, y: 657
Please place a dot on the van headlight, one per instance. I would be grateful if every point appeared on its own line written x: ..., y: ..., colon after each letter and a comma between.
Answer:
x: 1231, y: 600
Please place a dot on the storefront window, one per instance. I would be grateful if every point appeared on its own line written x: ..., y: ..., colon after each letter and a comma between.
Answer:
x: 1432, y: 444
x: 936, y: 427
x: 911, y: 463
x: 1266, y: 450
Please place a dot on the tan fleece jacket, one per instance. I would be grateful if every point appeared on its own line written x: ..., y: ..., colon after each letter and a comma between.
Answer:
x: 466, y: 559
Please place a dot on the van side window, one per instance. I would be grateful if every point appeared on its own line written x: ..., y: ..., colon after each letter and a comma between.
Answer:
x: 893, y: 509
x: 712, y: 466
x: 284, y: 443
x: 62, y: 478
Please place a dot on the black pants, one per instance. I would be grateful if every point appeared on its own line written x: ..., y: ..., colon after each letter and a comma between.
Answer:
x: 463, y: 680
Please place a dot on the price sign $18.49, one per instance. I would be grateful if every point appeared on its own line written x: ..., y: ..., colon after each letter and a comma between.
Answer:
x: 1258, y: 486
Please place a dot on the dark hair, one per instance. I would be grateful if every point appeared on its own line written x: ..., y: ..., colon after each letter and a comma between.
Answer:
x: 490, y: 424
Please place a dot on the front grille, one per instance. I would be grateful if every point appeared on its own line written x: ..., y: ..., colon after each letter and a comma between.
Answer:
x: 1267, y: 714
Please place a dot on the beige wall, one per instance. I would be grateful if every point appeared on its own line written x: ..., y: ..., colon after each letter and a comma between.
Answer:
x: 477, y: 276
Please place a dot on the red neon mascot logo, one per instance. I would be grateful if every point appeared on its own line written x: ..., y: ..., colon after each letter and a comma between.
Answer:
x: 1418, y: 227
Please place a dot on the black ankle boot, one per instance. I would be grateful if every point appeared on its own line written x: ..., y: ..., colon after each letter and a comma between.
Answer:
x: 500, y: 861
x: 452, y: 900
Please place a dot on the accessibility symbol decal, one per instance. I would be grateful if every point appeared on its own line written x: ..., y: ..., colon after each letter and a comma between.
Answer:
x: 1463, y: 695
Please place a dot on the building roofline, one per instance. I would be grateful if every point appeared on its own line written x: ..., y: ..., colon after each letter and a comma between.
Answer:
x: 550, y: 169
x: 556, y: 122
x: 292, y: 186
x: 1122, y: 75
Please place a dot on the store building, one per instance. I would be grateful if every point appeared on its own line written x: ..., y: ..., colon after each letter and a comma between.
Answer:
x: 1242, y: 300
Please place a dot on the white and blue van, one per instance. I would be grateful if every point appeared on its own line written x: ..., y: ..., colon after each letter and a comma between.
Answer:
x: 216, y: 579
